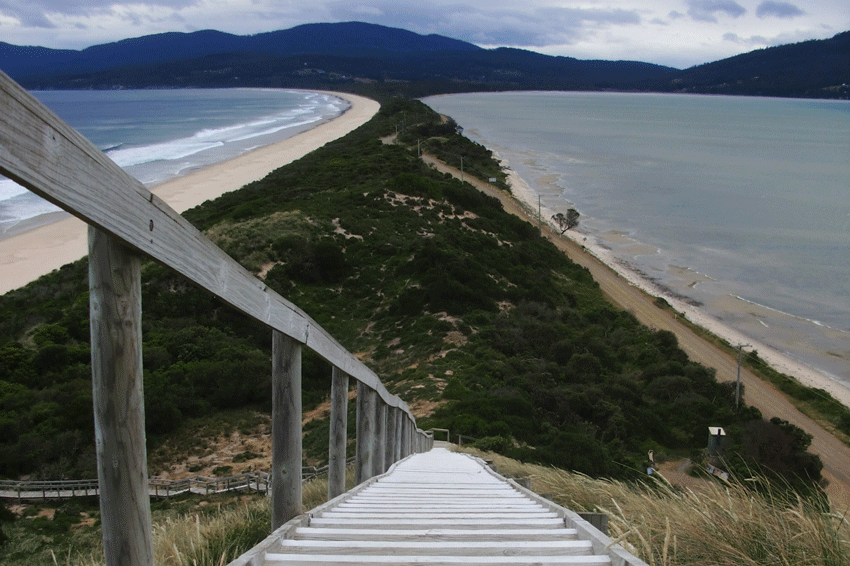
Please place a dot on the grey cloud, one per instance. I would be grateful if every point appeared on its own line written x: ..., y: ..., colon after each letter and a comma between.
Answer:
x: 768, y: 8
x: 756, y: 40
x: 597, y: 16
x: 31, y: 15
x: 706, y: 10
x: 534, y: 27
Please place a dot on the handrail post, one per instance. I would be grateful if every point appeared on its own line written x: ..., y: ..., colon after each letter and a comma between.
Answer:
x: 378, y: 461
x: 389, y: 442
x: 399, y: 431
x: 366, y: 400
x: 115, y: 303
x: 405, y: 436
x: 286, y: 429
x: 338, y: 441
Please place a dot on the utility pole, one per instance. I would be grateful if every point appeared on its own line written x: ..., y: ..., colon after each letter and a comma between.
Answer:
x: 461, y: 169
x: 418, y: 150
x: 539, y: 217
x: 738, y: 385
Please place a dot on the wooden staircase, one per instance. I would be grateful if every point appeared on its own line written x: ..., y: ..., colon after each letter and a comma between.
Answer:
x: 439, y: 508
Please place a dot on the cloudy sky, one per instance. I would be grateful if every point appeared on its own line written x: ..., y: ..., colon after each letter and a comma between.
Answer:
x: 680, y: 33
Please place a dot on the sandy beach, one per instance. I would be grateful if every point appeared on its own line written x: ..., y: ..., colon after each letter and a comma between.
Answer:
x: 40, y: 245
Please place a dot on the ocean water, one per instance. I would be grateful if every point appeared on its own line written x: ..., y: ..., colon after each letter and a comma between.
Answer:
x: 740, y: 206
x: 156, y: 135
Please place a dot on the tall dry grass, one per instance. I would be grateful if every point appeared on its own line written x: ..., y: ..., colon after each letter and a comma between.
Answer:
x: 717, y: 525
x: 211, y: 536
x: 219, y: 538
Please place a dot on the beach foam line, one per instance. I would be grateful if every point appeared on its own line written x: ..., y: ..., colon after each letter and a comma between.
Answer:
x: 26, y: 256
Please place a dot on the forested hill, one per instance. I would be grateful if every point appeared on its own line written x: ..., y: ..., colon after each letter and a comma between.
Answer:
x: 368, y: 58
x: 353, y: 39
x: 342, y: 55
x: 811, y: 69
x: 464, y: 310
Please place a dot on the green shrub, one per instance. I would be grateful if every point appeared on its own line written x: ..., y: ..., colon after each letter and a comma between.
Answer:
x: 222, y: 471
x: 498, y: 444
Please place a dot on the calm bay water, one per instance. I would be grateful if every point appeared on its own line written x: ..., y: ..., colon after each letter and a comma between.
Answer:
x: 739, y: 205
x: 156, y: 135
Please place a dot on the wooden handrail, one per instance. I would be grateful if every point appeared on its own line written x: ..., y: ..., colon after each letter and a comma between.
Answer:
x: 43, y: 154
x: 48, y: 157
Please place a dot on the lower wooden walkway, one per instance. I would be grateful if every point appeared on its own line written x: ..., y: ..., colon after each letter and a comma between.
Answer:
x: 438, y: 508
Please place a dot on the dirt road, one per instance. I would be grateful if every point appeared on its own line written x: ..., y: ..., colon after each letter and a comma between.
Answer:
x: 834, y: 454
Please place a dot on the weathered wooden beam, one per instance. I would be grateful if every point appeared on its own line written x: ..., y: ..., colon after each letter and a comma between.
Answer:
x: 115, y: 302
x: 379, y: 462
x: 399, y: 431
x: 364, y: 461
x: 338, y: 440
x: 286, y: 429
x: 405, y: 437
x: 390, y: 442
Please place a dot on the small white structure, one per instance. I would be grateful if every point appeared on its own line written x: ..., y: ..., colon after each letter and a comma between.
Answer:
x: 715, y: 441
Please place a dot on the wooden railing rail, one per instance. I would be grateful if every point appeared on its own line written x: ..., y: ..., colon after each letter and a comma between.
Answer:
x: 50, y: 485
x: 126, y: 222
x: 47, y: 489
x: 445, y: 430
x: 257, y: 480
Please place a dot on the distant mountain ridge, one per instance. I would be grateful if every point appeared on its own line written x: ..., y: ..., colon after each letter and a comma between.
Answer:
x: 815, y: 68
x: 349, y: 55
x: 309, y: 55
x: 352, y: 39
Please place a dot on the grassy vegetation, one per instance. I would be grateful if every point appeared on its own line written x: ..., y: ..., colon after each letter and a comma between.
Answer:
x: 814, y: 402
x: 717, y: 523
x: 187, y: 531
x: 723, y: 524
x: 458, y: 305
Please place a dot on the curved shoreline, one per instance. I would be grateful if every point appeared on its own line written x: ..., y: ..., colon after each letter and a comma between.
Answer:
x: 783, y: 363
x: 834, y: 454
x: 41, y: 248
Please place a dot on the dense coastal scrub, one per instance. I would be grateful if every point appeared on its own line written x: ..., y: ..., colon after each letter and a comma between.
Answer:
x: 461, y: 308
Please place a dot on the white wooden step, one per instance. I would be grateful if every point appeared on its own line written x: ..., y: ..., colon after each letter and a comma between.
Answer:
x: 439, y: 548
x: 438, y: 509
x: 274, y: 559
x: 553, y: 523
x: 467, y: 514
x: 388, y: 505
x: 433, y: 534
